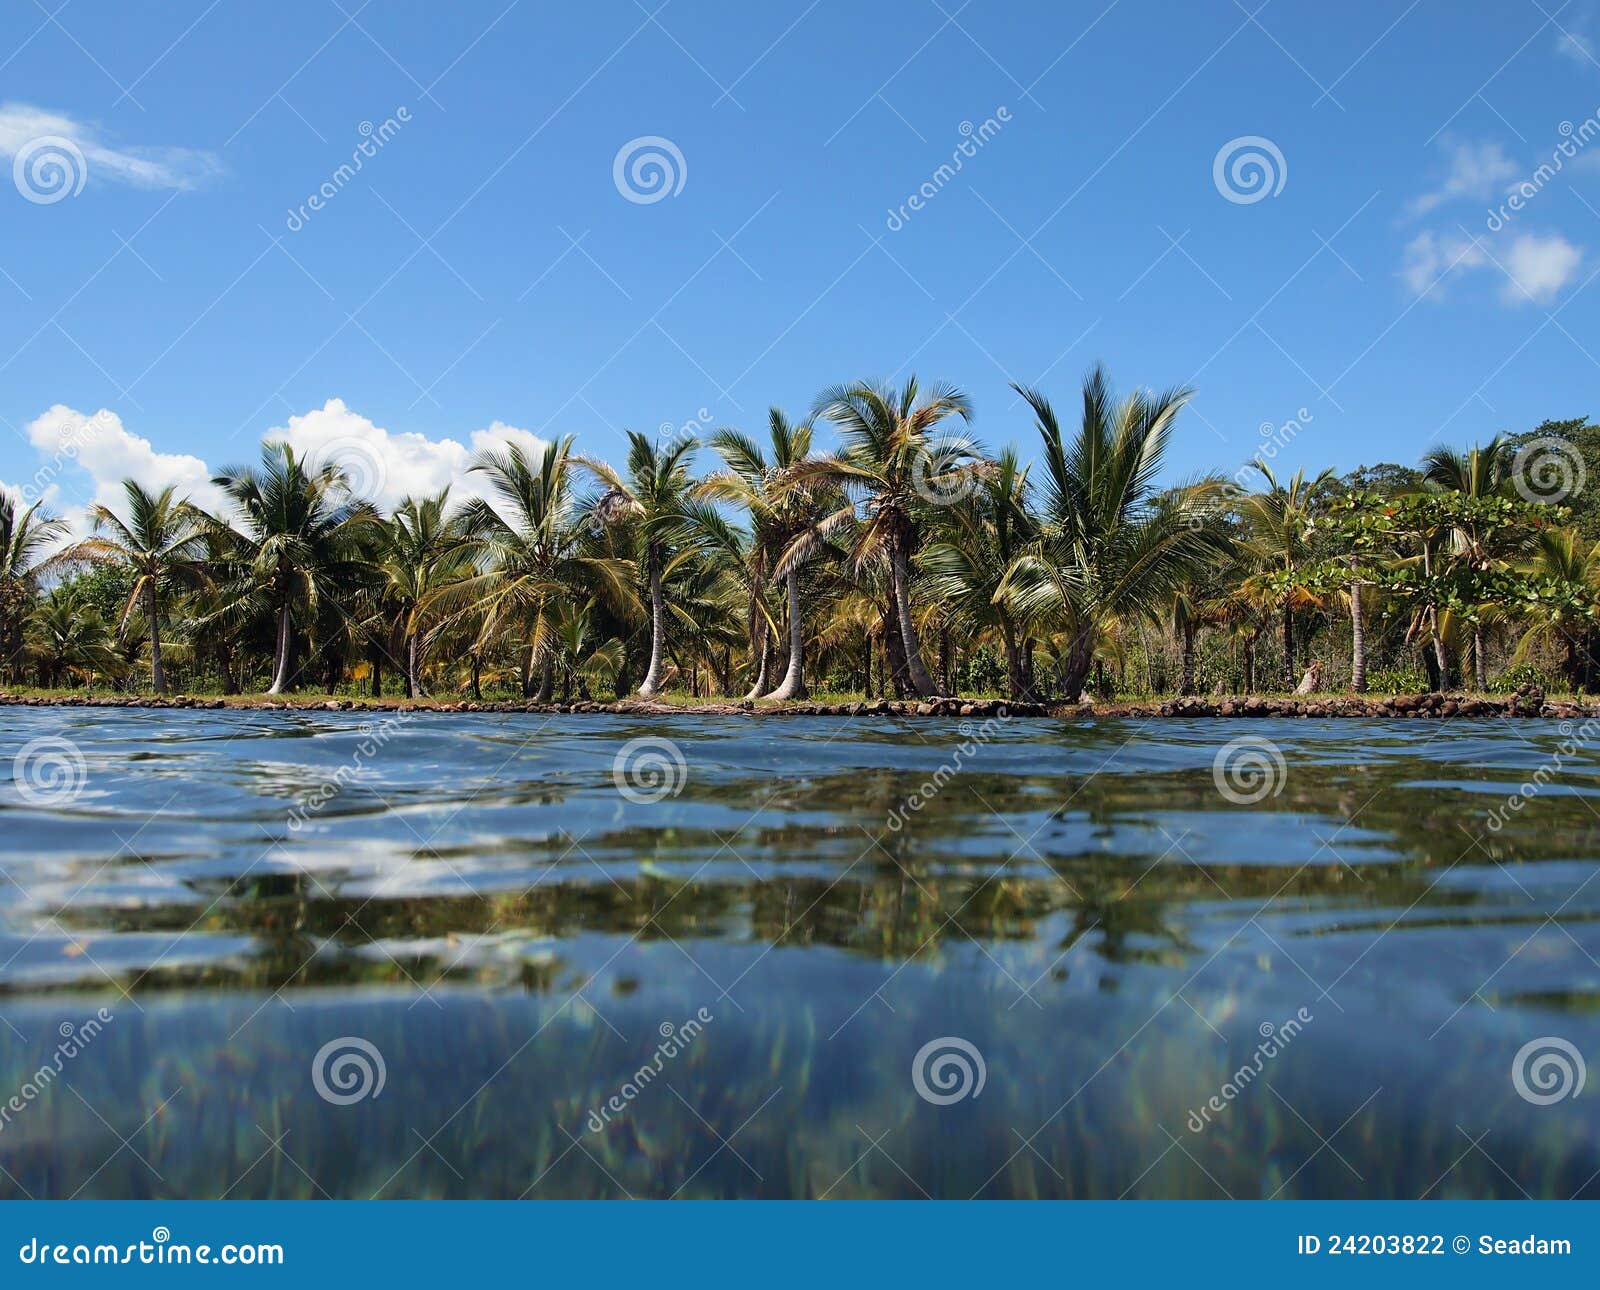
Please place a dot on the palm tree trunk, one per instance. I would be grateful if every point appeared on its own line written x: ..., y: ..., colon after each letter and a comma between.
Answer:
x: 915, y: 668
x: 866, y: 684
x: 651, y: 685
x: 1480, y: 666
x: 793, y: 686
x: 547, y: 679
x: 1358, y: 634
x: 758, y: 649
x: 158, y: 680
x: 1289, y: 678
x: 413, y: 668
x: 1013, y: 658
x: 1076, y: 668
x: 280, y: 679
x: 477, y: 673
x: 1186, y: 682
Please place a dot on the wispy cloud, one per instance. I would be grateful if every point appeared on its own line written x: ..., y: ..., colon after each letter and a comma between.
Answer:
x: 1476, y: 170
x: 22, y: 124
x: 1536, y: 266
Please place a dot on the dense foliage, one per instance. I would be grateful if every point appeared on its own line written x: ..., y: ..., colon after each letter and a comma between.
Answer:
x: 907, y: 562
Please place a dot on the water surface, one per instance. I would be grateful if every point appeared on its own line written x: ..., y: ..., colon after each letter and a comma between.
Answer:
x: 470, y: 903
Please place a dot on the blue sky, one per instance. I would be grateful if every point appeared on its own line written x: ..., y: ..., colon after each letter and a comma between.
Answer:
x: 484, y: 268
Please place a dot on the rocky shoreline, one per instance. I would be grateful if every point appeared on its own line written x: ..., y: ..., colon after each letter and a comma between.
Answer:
x: 1524, y: 703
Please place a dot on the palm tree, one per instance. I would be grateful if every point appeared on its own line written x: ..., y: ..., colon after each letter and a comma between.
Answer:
x: 162, y: 543
x: 67, y: 634
x: 1481, y: 471
x: 24, y: 536
x: 985, y: 534
x: 1565, y: 570
x: 1278, y: 531
x: 652, y: 500
x: 785, y: 511
x: 300, y: 536
x: 527, y: 540
x: 894, y: 456
x: 422, y: 551
x: 1111, y: 545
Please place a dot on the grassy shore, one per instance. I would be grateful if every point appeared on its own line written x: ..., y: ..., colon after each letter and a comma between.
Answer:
x: 1525, y: 703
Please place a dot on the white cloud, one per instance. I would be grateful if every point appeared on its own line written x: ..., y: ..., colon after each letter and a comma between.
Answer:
x: 22, y: 124
x: 1538, y: 267
x: 1479, y: 171
x: 1535, y: 266
x: 75, y: 448
x: 385, y: 466
x: 1430, y: 258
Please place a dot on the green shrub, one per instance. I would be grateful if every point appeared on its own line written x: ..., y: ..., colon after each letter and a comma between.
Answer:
x: 1397, y: 680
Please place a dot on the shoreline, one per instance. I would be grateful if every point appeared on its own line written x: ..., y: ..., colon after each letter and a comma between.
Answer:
x: 1523, y: 704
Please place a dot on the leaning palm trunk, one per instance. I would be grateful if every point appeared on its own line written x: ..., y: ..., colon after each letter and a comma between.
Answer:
x: 158, y: 680
x: 1186, y: 678
x: 915, y: 668
x: 651, y: 685
x: 1480, y: 668
x: 1358, y: 634
x: 758, y: 647
x: 1014, y: 680
x: 793, y: 686
x: 280, y: 679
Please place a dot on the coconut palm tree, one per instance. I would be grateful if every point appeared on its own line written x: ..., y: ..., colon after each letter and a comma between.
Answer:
x: 421, y: 551
x: 652, y: 499
x: 25, y: 535
x: 527, y: 541
x: 1111, y: 545
x: 162, y: 543
x: 1279, y: 528
x: 785, y: 511
x: 66, y: 634
x: 895, y: 457
x: 984, y: 533
x: 1564, y: 568
x: 1482, y: 471
x: 299, y: 536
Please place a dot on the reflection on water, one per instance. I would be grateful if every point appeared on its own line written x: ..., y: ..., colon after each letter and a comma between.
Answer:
x: 567, y: 992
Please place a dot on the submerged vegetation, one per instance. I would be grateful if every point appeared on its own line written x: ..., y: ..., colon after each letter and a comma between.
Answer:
x: 907, y: 562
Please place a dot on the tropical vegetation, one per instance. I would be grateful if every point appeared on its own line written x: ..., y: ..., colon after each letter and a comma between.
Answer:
x: 904, y: 560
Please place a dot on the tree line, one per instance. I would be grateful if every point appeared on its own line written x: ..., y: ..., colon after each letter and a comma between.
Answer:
x: 907, y: 562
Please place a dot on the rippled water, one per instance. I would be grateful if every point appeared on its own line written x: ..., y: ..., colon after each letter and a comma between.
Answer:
x: 508, y: 936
